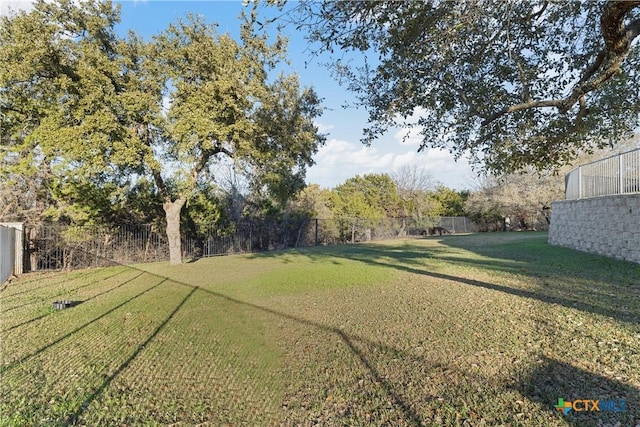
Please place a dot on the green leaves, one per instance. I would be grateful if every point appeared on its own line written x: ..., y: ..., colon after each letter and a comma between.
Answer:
x: 369, y: 196
x: 92, y: 107
x: 286, y: 138
x: 512, y: 84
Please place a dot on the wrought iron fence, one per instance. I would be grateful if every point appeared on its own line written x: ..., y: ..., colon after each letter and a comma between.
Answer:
x: 339, y: 230
x: 55, y: 247
x: 619, y: 174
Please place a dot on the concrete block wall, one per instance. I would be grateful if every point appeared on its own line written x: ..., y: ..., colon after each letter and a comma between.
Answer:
x: 608, y: 225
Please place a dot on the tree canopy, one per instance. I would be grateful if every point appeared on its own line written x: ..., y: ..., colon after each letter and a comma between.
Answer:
x: 513, y: 83
x: 96, y: 110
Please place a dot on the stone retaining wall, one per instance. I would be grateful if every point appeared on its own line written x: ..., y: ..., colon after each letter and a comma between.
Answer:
x: 607, y: 226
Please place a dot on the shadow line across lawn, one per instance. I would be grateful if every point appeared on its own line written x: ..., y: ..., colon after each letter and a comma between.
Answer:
x: 26, y: 322
x: 66, y: 291
x: 618, y: 301
x: 570, y: 302
x: 72, y: 419
x: 65, y: 278
x: 548, y: 381
x: 26, y: 357
x: 349, y: 340
x: 553, y: 379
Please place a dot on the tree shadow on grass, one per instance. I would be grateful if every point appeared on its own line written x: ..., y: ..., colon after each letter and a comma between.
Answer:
x: 66, y: 291
x: 554, y: 379
x: 410, y: 415
x: 28, y: 356
x: 538, y: 259
x: 351, y: 342
x: 73, y: 418
x: 587, y: 282
x: 570, y: 289
x: 42, y: 316
x: 549, y: 381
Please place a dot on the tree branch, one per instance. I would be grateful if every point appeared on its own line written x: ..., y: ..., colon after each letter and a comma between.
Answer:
x: 204, y: 159
x: 583, y: 110
x: 616, y: 34
x: 221, y: 149
x: 538, y: 14
x: 617, y: 37
x: 523, y: 106
x: 162, y: 187
x: 469, y: 104
x: 145, y: 136
x: 526, y: 91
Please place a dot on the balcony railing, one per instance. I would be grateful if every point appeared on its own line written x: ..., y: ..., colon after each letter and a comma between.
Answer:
x: 619, y: 174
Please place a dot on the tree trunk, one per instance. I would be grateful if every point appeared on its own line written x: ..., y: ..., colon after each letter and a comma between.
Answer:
x: 172, y: 213
x: 353, y: 231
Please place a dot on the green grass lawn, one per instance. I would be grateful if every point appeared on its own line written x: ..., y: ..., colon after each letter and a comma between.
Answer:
x: 487, y: 329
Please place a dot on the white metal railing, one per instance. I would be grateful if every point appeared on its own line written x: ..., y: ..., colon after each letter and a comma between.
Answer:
x: 619, y: 174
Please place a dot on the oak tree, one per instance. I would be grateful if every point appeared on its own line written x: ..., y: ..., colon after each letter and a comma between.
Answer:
x: 96, y: 108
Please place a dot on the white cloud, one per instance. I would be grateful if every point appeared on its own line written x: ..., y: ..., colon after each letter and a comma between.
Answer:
x: 339, y: 160
x: 322, y: 128
x: 7, y: 6
x: 409, y: 136
x: 440, y: 164
x: 413, y: 119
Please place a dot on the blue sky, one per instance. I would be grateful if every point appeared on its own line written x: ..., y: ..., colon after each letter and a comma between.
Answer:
x: 343, y: 156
